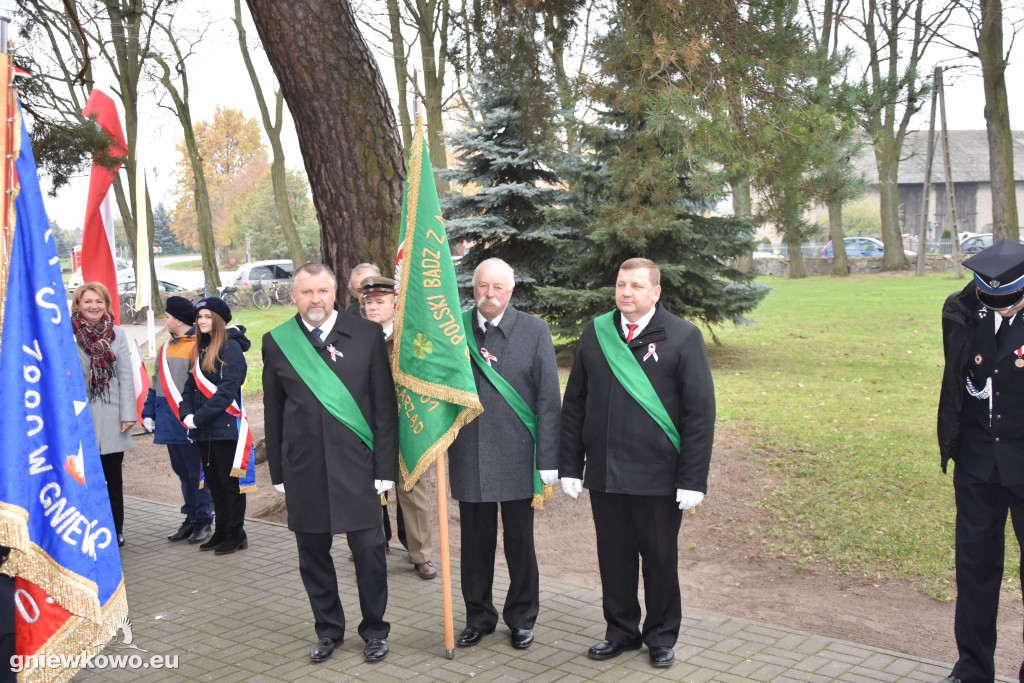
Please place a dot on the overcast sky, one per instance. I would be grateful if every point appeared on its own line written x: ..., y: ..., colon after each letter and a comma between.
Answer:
x: 217, y: 76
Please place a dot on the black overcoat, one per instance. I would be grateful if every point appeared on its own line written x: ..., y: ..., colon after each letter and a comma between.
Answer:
x: 326, y: 469
x: 977, y: 440
x: 611, y: 442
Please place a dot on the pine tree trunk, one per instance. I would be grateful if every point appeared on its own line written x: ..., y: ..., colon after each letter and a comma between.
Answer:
x: 887, y: 161
x: 997, y: 122
x: 840, y: 266
x: 742, y: 207
x: 346, y: 129
x: 796, y: 257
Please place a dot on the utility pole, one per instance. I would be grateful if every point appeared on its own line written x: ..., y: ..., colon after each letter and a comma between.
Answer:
x: 922, y: 241
x: 958, y: 267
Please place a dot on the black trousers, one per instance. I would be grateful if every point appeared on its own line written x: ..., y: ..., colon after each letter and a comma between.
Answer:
x: 630, y: 529
x: 316, y: 567
x: 981, y: 509
x: 479, y: 544
x: 6, y: 627
x: 228, y: 501
x: 115, y: 487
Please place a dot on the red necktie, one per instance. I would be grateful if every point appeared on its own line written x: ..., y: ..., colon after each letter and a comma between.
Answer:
x: 632, y: 328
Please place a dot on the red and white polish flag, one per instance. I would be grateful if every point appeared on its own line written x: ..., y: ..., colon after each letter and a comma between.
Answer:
x: 141, y: 377
x: 98, y: 231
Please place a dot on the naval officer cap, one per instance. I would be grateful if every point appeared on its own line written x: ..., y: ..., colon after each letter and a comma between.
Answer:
x: 999, y: 274
x: 377, y: 285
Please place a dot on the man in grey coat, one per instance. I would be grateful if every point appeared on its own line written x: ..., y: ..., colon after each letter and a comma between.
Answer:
x: 492, y: 460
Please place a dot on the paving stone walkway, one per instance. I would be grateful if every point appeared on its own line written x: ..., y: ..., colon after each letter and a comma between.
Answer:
x: 244, y: 617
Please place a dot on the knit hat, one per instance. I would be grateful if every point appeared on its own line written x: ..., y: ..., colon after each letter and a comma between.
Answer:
x: 182, y: 309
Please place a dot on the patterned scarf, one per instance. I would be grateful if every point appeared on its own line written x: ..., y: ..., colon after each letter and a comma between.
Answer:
x: 96, y: 341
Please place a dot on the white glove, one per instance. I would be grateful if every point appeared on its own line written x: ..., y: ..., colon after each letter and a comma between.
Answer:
x: 572, y: 487
x: 279, y: 487
x: 549, y: 477
x: 189, y: 421
x: 688, y: 499
x: 148, y: 424
x: 382, y: 485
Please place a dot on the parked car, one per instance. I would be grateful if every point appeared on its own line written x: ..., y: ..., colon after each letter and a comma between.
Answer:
x: 162, y: 285
x: 125, y: 273
x: 976, y: 243
x: 277, y: 271
x: 860, y: 246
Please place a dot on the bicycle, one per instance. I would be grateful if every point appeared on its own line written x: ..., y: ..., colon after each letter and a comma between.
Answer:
x: 260, y: 297
x: 227, y: 294
x: 281, y: 294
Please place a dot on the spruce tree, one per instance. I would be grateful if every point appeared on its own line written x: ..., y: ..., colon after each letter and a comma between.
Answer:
x: 163, y: 236
x: 502, y: 162
x: 633, y: 186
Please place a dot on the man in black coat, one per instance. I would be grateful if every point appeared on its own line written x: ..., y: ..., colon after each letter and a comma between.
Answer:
x: 6, y: 621
x: 638, y: 423
x: 981, y: 428
x: 331, y: 477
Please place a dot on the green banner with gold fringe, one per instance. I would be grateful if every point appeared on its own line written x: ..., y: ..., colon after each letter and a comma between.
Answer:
x: 433, y: 376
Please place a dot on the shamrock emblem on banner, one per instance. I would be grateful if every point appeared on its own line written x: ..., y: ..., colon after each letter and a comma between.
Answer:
x: 421, y: 346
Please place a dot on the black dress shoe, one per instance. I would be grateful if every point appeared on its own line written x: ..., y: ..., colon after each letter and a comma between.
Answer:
x: 951, y: 679
x: 375, y: 650
x: 231, y: 544
x: 471, y: 635
x: 183, y: 532
x: 522, y: 638
x: 662, y: 656
x: 201, y: 532
x: 215, y: 540
x: 120, y: 540
x: 323, y: 649
x: 608, y: 649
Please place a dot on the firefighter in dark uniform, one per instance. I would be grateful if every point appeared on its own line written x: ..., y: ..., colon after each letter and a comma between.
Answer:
x: 981, y: 428
x: 6, y: 621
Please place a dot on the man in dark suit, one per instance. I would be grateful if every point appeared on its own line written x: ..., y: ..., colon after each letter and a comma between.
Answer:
x: 639, y: 416
x: 332, y: 445
x: 492, y: 459
x: 981, y: 428
x: 355, y: 279
x: 6, y: 621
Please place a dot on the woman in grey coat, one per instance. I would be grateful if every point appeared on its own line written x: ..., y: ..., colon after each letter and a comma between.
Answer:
x: 106, y: 365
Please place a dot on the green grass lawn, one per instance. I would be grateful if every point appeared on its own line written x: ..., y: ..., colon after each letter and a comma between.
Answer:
x: 257, y: 323
x: 184, y: 265
x: 838, y: 383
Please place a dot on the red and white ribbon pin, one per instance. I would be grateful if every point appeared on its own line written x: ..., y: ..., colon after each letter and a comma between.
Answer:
x: 487, y: 355
x: 652, y: 350
x: 334, y: 352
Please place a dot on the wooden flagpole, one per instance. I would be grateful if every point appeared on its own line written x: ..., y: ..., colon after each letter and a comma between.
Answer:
x: 442, y: 504
x: 446, y: 563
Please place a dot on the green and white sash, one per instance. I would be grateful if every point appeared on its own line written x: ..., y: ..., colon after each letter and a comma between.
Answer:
x: 541, y: 491
x: 318, y: 376
x: 631, y: 375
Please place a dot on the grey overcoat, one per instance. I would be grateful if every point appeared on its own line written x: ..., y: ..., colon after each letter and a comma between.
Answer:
x: 119, y: 407
x: 492, y: 458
